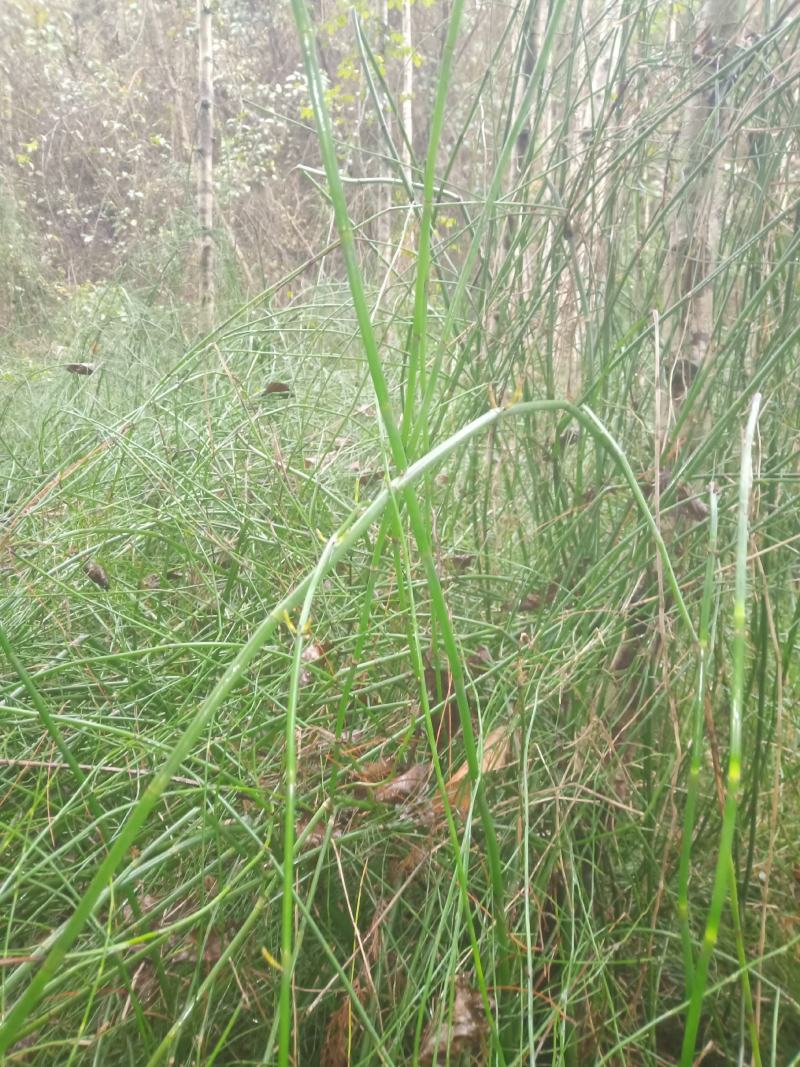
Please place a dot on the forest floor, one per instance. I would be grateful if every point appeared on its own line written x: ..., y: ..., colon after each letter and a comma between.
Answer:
x: 156, y: 512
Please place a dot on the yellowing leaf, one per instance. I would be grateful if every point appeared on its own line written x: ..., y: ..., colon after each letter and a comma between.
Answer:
x: 270, y: 959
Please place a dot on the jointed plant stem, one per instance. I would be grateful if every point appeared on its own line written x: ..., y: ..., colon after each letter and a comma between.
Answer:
x: 418, y: 347
x: 697, y: 746
x: 287, y: 904
x: 725, y: 856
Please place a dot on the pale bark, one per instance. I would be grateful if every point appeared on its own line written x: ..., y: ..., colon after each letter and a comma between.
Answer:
x: 567, y: 334
x: 383, y: 229
x: 599, y: 130
x: 529, y: 42
x: 407, y: 109
x: 694, y: 236
x: 205, y: 161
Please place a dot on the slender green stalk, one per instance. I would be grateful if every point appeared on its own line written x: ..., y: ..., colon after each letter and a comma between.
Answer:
x: 363, y: 632
x: 725, y: 856
x: 479, y: 227
x: 316, y: 90
x: 415, y: 647
x: 741, y: 955
x: 417, y: 350
x: 698, y: 720
x: 287, y: 903
x: 49, y: 722
x: 418, y: 525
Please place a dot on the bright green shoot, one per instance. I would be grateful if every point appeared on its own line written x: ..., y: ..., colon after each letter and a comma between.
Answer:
x: 724, y: 867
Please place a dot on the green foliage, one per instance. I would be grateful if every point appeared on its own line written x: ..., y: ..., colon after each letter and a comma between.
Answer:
x: 276, y: 612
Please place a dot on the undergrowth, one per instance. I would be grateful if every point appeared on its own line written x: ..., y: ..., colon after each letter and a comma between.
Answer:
x: 487, y: 852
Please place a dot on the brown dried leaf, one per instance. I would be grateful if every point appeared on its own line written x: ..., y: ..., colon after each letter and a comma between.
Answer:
x: 376, y: 771
x: 530, y: 602
x: 212, y: 950
x: 410, y: 862
x: 315, y: 838
x: 373, y: 939
x: 95, y: 573
x: 339, y: 1031
x: 188, y: 949
x: 147, y: 903
x: 624, y: 656
x: 692, y: 506
x: 498, y: 752
x: 312, y: 652
x: 438, y: 683
x: 460, y: 561
x: 439, y: 686
x: 465, y: 1031
x: 26, y: 1042
x: 404, y: 786
x: 534, y: 600
x: 480, y: 659
x: 367, y: 476
x: 337, y: 1028
x: 317, y: 835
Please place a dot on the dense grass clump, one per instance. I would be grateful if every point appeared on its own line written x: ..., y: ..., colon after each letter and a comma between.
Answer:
x: 401, y: 673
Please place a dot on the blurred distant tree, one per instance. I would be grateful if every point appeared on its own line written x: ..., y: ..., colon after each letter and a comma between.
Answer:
x: 205, y: 159
x: 695, y: 233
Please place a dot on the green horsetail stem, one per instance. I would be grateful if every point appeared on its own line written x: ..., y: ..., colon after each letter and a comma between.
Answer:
x: 725, y: 857
x: 417, y: 348
x: 287, y: 903
x: 698, y: 719
x: 419, y: 527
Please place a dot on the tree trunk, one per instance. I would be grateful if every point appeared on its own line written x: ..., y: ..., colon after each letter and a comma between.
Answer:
x: 205, y: 161
x: 694, y: 237
x: 384, y: 199
x: 407, y: 109
x: 528, y: 44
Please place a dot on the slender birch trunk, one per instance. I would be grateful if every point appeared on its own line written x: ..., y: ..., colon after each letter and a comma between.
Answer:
x: 529, y: 43
x: 383, y: 229
x: 407, y: 109
x: 205, y: 167
x: 567, y: 340
x: 694, y: 237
